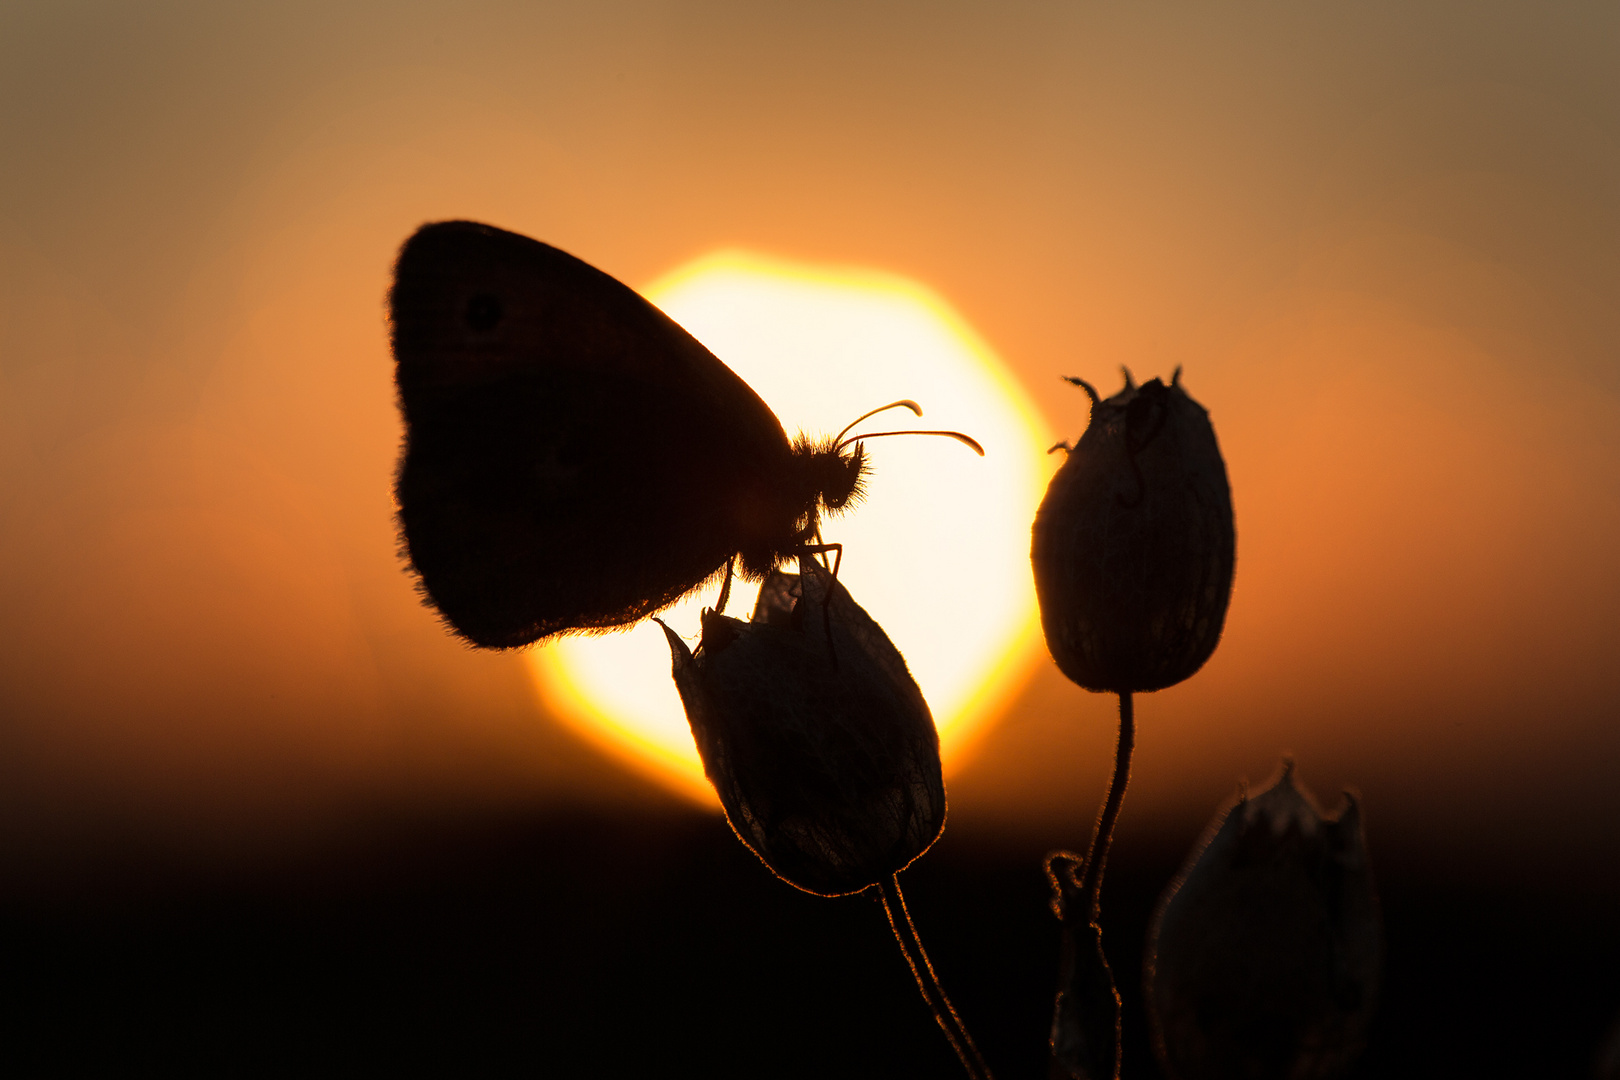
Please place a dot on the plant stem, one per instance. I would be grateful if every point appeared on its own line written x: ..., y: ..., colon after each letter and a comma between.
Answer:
x: 1090, y: 884
x: 911, y: 947
x: 1085, y: 1039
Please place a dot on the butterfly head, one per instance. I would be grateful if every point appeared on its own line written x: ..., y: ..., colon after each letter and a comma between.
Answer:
x: 836, y: 476
x: 828, y: 475
x: 836, y: 473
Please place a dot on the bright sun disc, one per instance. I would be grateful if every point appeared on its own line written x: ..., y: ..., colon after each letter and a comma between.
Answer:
x: 937, y: 552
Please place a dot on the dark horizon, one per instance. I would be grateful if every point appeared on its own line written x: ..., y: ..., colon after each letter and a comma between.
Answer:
x: 605, y: 942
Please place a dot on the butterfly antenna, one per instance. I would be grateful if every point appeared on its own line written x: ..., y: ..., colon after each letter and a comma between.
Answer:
x: 966, y: 440
x: 901, y: 404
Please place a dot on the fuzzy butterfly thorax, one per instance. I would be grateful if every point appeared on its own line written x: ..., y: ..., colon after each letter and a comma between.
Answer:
x: 820, y: 477
x: 573, y: 459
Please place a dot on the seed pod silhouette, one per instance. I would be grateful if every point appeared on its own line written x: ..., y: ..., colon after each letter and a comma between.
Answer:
x: 1265, y: 955
x: 1607, y: 1064
x: 823, y: 753
x: 1133, y: 545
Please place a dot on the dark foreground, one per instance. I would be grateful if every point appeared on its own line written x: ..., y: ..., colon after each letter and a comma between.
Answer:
x: 640, y: 945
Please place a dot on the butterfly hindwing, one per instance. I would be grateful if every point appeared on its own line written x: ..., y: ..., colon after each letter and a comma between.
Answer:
x: 573, y: 460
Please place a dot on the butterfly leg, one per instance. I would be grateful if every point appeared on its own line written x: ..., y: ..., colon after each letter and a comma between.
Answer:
x: 725, y: 587
x: 821, y: 547
x: 826, y: 601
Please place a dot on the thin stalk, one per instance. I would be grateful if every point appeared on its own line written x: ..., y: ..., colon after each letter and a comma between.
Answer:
x: 911, y: 947
x: 1090, y: 884
x: 1086, y: 1019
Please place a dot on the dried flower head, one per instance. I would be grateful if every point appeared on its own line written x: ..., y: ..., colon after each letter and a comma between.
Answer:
x: 1265, y: 955
x: 1133, y: 545
x: 823, y: 751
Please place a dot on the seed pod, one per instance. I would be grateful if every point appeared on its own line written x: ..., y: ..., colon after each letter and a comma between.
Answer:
x: 1607, y: 1064
x: 824, y: 754
x: 1133, y: 545
x: 1265, y: 955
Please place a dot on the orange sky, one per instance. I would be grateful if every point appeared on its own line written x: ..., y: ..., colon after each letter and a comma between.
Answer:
x: 1384, y: 240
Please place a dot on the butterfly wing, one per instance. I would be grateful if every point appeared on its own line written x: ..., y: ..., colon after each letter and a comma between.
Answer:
x: 573, y: 459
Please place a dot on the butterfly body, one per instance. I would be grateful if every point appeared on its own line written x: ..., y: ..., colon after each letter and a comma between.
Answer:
x: 574, y: 460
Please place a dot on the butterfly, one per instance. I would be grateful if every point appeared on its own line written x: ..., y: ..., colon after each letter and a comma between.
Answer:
x: 575, y: 461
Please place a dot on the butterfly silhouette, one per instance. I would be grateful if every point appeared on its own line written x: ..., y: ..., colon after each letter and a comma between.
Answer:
x: 575, y: 461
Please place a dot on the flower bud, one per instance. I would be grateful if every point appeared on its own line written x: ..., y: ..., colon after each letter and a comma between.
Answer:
x: 1264, y: 956
x: 1133, y: 545
x: 823, y: 752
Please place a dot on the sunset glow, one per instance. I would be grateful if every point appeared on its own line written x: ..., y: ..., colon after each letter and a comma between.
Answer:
x: 938, y: 550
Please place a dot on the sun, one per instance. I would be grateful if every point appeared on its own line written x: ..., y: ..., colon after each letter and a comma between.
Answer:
x: 937, y: 552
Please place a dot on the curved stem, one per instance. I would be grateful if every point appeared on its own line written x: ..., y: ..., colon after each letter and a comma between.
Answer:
x: 1090, y: 884
x: 911, y: 947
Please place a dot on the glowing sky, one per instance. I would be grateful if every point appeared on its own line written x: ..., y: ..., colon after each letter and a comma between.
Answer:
x: 1382, y: 240
x: 936, y: 548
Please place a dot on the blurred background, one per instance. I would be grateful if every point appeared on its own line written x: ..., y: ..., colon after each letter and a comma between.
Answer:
x: 259, y: 814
